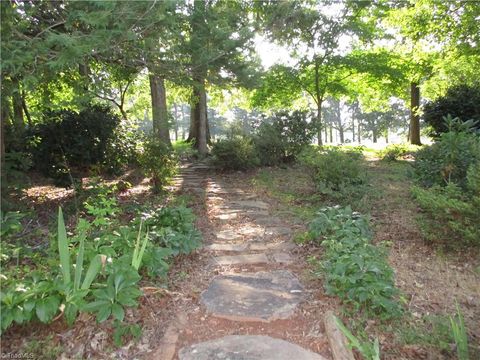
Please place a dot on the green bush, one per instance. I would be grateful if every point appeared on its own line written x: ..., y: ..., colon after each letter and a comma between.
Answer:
x: 283, y: 136
x: 66, y: 138
x: 448, y: 159
x: 333, y: 169
x: 354, y: 269
x: 159, y: 162
x: 452, y: 212
x: 461, y: 101
x: 238, y: 153
x: 395, y: 152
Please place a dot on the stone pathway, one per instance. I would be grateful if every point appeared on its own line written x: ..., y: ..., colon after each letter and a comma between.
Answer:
x: 268, y: 293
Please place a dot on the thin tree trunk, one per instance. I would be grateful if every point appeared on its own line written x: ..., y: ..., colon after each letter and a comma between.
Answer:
x: 159, y: 108
x: 17, y: 118
x: 386, y: 135
x: 183, y: 122
x: 176, y: 121
x: 5, y: 114
x: 319, y: 120
x: 326, y: 134
x: 414, y: 116
x: 374, y: 136
x: 341, y: 133
x: 353, y: 130
x: 359, y: 133
x: 331, y: 134
x: 25, y: 110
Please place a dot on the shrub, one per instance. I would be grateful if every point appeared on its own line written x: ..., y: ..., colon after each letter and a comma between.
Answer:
x: 334, y: 169
x: 184, y: 150
x: 452, y: 212
x: 237, y: 153
x: 158, y: 161
x: 354, y: 269
x: 283, y: 136
x: 448, y: 159
x: 461, y: 101
x: 67, y: 138
x: 394, y: 152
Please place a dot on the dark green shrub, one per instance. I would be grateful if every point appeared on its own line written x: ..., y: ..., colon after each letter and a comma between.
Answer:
x: 66, y: 138
x: 452, y: 213
x: 159, y: 162
x: 333, y: 168
x: 448, y: 159
x: 461, y: 101
x: 283, y: 136
x: 238, y: 153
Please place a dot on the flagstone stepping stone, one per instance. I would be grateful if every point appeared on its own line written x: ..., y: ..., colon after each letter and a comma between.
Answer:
x: 283, y: 258
x: 241, y: 259
x: 269, y: 221
x: 278, y: 231
x: 262, y: 296
x: 251, y: 204
x: 246, y: 347
x: 229, y: 235
x: 226, y: 216
x: 262, y: 246
x: 227, y: 247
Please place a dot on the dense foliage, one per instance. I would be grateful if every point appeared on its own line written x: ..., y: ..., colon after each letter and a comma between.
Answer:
x: 110, y: 259
x: 284, y: 135
x: 461, y: 101
x: 237, y: 153
x: 353, y: 268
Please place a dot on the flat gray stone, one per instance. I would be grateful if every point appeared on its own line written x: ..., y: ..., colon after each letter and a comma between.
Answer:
x: 246, y: 347
x: 262, y: 296
x: 283, y: 258
x: 227, y: 247
x: 229, y: 235
x: 241, y: 259
x: 226, y: 216
x: 256, y: 204
x: 261, y: 246
x: 278, y: 231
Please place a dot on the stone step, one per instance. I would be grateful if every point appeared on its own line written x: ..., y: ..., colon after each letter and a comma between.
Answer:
x: 262, y: 296
x: 240, y: 259
x: 246, y: 347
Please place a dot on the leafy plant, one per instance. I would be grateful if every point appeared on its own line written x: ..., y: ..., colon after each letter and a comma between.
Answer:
x: 368, y: 350
x: 333, y: 169
x: 283, y: 136
x: 158, y: 161
x: 139, y: 248
x: 10, y: 223
x: 125, y: 330
x: 460, y: 335
x: 353, y: 268
x: 120, y: 290
x: 394, y: 152
x: 75, y: 289
x: 238, y: 153
x: 449, y: 158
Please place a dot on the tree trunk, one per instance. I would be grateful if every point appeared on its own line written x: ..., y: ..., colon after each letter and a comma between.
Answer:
x: 202, y: 139
x: 176, y: 120
x: 183, y: 122
x: 5, y: 114
x: 326, y: 134
x: 17, y: 118
x: 414, y: 116
x: 374, y: 136
x: 331, y: 134
x: 359, y: 133
x: 353, y: 130
x: 386, y: 135
x: 159, y: 108
x: 341, y: 133
x: 319, y: 121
